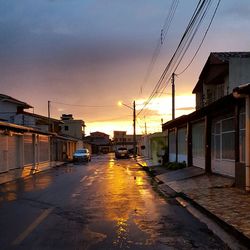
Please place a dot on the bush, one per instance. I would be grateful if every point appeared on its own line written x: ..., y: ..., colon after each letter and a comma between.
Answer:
x: 175, y: 165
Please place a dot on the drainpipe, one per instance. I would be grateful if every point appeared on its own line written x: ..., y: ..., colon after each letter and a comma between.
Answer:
x: 247, y: 139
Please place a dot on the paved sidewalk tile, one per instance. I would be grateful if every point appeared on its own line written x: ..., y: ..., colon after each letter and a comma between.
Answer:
x: 229, y: 204
x: 213, y: 192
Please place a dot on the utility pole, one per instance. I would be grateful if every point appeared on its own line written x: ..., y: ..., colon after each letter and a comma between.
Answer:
x: 49, y: 116
x: 173, y: 97
x: 145, y: 125
x: 134, y: 135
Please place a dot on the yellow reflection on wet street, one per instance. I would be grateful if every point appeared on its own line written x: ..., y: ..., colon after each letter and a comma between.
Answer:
x: 126, y: 200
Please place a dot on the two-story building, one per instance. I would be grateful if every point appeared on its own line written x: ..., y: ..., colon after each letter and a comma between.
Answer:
x: 27, y: 140
x: 74, y: 128
x: 121, y: 138
x: 214, y: 136
x: 99, y: 141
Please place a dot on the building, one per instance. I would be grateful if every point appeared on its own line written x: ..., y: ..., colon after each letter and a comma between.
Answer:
x: 214, y: 136
x: 28, y: 149
x: 73, y: 128
x: 29, y: 140
x: 153, y: 146
x: 14, y: 111
x: 10, y: 107
x: 121, y: 138
x: 100, y: 142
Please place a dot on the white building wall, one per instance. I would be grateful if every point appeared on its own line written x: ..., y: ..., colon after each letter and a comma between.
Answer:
x: 239, y: 72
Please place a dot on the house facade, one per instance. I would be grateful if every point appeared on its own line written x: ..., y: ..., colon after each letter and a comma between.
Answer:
x: 100, y: 142
x: 73, y: 128
x: 122, y: 139
x: 153, y: 146
x: 214, y: 136
x: 29, y: 140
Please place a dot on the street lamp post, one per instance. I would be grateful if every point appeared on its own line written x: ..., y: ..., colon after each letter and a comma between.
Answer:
x: 134, y: 125
x: 134, y: 135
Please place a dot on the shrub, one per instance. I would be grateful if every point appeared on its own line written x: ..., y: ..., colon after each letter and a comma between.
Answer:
x: 175, y: 165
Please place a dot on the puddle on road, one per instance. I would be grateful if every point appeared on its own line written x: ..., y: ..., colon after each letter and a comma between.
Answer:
x: 125, y: 209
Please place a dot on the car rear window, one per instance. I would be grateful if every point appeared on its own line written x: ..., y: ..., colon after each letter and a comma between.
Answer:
x: 81, y: 151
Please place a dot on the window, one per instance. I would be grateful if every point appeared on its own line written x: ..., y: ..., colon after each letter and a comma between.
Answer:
x: 224, y: 139
x: 66, y: 128
x: 228, y: 145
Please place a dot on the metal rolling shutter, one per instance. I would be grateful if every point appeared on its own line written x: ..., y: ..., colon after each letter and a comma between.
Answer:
x: 43, y: 148
x: 28, y: 149
x: 13, y: 152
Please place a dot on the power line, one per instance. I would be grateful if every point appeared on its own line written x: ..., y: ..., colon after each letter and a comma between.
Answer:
x: 160, y: 41
x: 87, y: 106
x: 187, y: 38
x: 111, y: 119
x: 205, y: 34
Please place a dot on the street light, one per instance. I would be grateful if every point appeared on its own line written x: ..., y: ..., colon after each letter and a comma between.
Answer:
x: 134, y: 122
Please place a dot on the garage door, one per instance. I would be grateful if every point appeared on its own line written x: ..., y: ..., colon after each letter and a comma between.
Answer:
x: 182, y: 145
x: 28, y: 149
x: 3, y: 153
x: 172, y: 146
x: 198, y: 144
x: 13, y: 151
x: 44, y: 154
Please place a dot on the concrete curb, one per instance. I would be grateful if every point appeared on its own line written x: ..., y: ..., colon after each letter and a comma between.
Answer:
x: 227, y: 227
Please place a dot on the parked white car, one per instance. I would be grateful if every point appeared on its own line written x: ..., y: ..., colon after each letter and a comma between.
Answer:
x: 122, y: 153
x: 82, y: 155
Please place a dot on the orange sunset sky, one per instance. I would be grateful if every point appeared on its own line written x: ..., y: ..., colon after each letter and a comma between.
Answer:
x: 85, y: 56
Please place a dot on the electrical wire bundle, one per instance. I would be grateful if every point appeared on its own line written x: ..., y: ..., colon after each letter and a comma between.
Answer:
x: 193, y: 26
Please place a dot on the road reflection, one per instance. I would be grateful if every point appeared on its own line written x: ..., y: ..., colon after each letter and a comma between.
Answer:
x: 127, y: 200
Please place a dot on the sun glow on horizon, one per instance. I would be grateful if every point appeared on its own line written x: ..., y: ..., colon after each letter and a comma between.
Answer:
x: 149, y: 118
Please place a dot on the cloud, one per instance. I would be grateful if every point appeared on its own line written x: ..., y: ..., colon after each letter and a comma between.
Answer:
x: 185, y: 108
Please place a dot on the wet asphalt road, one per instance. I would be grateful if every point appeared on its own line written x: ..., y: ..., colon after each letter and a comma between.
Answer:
x: 105, y: 204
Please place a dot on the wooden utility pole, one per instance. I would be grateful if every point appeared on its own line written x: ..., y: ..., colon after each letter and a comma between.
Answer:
x: 49, y: 116
x: 173, y: 97
x: 134, y: 135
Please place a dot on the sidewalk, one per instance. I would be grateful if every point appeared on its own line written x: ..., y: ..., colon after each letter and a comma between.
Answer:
x: 26, y: 171
x: 213, y: 194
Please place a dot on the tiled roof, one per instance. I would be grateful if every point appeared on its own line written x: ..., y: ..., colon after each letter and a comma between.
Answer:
x: 225, y: 56
x: 6, y: 98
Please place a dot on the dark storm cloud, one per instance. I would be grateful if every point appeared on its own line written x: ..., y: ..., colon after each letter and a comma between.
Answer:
x: 61, y: 35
